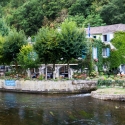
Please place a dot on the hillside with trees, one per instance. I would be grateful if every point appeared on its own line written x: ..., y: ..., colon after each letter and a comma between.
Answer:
x: 30, y: 15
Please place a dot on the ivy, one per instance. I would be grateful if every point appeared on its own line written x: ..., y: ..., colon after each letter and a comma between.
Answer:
x: 98, y: 44
x: 89, y: 61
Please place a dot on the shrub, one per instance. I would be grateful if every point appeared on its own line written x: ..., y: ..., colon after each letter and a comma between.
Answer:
x: 8, y: 73
x: 79, y: 76
x: 93, y: 74
x: 119, y: 82
x: 104, y: 82
x: 41, y: 77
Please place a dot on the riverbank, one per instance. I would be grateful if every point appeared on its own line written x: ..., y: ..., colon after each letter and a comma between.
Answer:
x: 116, y: 94
x: 49, y: 86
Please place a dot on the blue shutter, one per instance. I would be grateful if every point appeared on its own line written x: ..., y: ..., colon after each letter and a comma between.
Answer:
x: 84, y: 54
x: 108, y: 37
x: 108, y: 52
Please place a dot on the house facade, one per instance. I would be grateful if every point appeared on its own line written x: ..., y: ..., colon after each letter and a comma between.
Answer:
x: 105, y: 34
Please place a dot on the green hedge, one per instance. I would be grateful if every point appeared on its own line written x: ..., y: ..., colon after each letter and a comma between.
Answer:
x: 110, y: 82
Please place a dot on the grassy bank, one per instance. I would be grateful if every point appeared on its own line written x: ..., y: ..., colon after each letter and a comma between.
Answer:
x: 111, y: 91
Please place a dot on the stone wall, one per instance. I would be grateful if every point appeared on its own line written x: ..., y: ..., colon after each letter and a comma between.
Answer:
x: 34, y: 86
x: 114, y: 97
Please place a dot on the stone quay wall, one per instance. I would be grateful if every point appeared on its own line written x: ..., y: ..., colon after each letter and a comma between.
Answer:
x: 34, y: 86
x: 117, y: 97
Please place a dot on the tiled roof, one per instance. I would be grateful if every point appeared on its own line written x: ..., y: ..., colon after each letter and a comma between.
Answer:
x: 106, y: 29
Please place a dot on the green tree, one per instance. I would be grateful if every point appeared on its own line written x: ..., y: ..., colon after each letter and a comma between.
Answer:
x: 47, y: 46
x: 27, y: 58
x: 28, y: 17
x: 80, y: 7
x: 93, y: 20
x: 118, y: 57
x: 4, y: 29
x: 16, y: 4
x: 72, y: 41
x: 51, y: 8
x: 12, y: 45
x: 2, y: 39
x: 79, y: 19
x: 114, y: 12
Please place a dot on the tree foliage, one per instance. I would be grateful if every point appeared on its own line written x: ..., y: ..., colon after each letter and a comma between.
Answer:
x: 28, y: 17
x: 27, y: 58
x: 80, y: 7
x: 2, y: 39
x: 47, y: 45
x: 118, y: 57
x: 12, y: 45
x: 114, y: 12
x: 73, y: 41
x: 4, y: 29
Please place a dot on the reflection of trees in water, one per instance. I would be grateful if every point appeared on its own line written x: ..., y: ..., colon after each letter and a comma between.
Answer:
x: 21, y: 116
x: 33, y: 117
x: 40, y: 109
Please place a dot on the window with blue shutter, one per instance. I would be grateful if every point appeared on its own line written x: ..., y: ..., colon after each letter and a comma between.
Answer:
x: 106, y: 52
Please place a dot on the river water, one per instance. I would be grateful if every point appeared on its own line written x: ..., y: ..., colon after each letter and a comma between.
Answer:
x: 78, y: 109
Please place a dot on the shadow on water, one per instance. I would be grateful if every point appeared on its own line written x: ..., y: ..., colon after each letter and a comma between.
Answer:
x: 78, y: 109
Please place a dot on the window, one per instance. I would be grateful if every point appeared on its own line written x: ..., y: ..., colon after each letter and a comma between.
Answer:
x: 104, y: 37
x: 105, y: 52
x: 94, y: 53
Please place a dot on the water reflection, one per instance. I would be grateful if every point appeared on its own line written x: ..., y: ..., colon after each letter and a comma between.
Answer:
x: 79, y: 109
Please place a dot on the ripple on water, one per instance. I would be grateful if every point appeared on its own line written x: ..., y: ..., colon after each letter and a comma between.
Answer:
x: 79, y: 95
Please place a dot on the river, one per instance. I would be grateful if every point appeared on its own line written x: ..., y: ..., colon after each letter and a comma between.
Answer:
x: 59, y: 109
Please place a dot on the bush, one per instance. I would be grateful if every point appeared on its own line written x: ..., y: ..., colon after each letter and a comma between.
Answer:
x: 104, y: 82
x: 93, y: 74
x: 8, y: 73
x: 41, y: 77
x: 119, y: 82
x: 79, y: 76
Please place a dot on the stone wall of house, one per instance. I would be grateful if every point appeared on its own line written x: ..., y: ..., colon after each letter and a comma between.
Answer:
x: 33, y: 86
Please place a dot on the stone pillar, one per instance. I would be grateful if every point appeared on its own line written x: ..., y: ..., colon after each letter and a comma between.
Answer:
x: 28, y: 72
x: 71, y: 70
x: 40, y: 70
x: 69, y: 73
x: 57, y: 71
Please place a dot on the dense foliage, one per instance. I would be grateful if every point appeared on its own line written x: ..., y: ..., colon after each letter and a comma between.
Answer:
x: 27, y: 57
x: 98, y: 44
x: 12, y: 45
x: 30, y: 15
x: 118, y: 57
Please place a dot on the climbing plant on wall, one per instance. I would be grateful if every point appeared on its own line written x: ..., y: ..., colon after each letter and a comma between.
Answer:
x: 99, y: 62
x: 89, y: 61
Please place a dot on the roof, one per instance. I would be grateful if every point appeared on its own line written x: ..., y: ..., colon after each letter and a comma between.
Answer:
x: 106, y: 29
